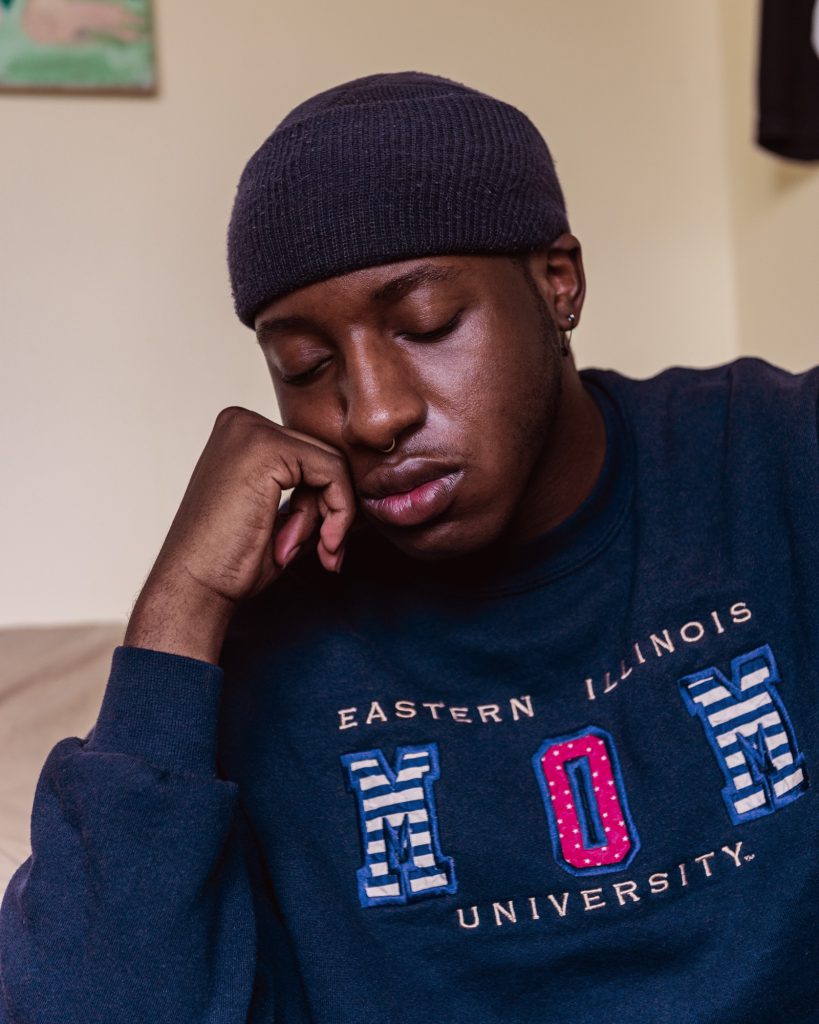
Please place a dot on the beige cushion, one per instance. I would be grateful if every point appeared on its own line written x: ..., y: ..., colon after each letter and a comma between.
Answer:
x: 51, y: 684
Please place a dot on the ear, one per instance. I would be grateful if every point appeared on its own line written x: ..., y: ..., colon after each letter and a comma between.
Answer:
x: 560, y: 278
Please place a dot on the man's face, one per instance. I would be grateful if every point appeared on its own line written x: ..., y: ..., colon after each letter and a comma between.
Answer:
x: 456, y: 359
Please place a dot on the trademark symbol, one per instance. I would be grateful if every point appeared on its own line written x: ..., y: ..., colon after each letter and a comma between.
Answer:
x: 749, y: 856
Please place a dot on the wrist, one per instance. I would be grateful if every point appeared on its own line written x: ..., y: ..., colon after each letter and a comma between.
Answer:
x: 179, y: 617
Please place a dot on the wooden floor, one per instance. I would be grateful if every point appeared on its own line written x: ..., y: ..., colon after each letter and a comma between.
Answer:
x: 51, y: 685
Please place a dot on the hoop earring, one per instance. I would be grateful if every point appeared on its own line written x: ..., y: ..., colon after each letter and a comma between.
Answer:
x: 567, y: 335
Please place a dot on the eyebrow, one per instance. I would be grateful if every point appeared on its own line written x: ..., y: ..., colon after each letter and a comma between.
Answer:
x: 400, y: 286
x: 384, y: 295
x: 282, y: 325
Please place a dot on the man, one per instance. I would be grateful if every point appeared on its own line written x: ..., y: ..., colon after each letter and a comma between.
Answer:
x: 510, y: 715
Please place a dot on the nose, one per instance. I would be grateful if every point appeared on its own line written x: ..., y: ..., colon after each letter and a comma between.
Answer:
x: 381, y: 396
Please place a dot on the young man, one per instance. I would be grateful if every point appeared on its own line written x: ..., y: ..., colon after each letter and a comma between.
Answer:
x: 510, y: 717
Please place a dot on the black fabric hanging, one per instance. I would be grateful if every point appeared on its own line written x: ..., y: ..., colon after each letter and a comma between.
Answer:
x: 789, y: 78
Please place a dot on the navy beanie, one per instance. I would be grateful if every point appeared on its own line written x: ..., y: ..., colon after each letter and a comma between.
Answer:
x: 384, y: 168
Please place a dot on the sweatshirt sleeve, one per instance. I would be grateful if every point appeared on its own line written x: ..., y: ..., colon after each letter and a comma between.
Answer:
x: 135, y: 904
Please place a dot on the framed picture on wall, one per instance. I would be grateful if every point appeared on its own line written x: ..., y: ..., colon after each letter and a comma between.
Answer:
x: 77, y: 46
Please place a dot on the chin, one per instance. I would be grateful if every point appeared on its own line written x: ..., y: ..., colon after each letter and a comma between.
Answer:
x: 443, y: 539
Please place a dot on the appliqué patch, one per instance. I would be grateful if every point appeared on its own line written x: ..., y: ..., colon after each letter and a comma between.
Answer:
x: 586, y: 805
x: 750, y: 733
x: 399, y: 826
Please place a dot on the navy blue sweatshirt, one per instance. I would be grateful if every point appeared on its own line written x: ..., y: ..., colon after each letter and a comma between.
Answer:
x: 569, y: 784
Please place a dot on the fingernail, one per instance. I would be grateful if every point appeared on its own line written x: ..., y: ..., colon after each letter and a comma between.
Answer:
x: 292, y: 555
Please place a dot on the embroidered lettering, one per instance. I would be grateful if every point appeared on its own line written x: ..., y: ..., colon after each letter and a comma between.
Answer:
x: 507, y: 911
x: 347, y: 718
x: 662, y: 643
x: 626, y: 889
x: 544, y: 909
x: 591, y: 899
x: 405, y: 709
x: 399, y: 826
x: 521, y: 706
x: 749, y: 731
x: 733, y: 854
x: 475, y: 918
x: 562, y: 905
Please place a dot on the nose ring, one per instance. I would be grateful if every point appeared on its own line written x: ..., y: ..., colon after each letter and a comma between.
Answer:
x: 391, y: 448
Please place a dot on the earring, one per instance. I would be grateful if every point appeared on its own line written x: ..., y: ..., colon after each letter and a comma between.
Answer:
x: 567, y: 336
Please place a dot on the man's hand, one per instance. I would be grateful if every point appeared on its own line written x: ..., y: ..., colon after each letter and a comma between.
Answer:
x: 228, y: 540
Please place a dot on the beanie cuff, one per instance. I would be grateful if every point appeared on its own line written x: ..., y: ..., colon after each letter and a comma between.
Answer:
x: 349, y: 186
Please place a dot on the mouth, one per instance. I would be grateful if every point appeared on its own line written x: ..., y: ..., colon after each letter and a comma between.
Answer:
x: 410, y: 494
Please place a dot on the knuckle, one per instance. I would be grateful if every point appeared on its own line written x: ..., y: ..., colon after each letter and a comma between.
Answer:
x: 230, y: 413
x: 244, y: 425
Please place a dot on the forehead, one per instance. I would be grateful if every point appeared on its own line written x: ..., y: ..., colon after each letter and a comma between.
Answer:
x: 375, y: 287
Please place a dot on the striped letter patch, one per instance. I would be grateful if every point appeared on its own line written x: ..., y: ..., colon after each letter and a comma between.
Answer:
x: 750, y: 733
x: 399, y: 826
x: 585, y: 800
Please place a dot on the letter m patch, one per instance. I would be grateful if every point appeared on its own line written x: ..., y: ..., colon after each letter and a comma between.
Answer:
x: 399, y: 826
x: 750, y: 733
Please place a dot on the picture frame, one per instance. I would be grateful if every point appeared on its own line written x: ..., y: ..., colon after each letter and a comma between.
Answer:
x: 77, y: 47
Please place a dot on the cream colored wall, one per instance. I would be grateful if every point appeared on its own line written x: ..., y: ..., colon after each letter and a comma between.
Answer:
x: 774, y: 217
x: 118, y: 337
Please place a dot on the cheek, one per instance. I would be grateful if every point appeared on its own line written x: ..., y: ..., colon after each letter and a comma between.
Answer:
x: 502, y: 424
x: 506, y: 403
x: 313, y: 413
x: 531, y: 415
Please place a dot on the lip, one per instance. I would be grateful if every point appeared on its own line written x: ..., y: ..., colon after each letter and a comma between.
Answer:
x: 410, y: 493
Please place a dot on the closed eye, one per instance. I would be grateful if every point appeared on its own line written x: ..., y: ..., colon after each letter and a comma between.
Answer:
x: 438, y: 333
x: 306, y: 375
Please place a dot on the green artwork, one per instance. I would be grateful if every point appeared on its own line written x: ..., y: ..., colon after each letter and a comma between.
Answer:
x: 76, y: 46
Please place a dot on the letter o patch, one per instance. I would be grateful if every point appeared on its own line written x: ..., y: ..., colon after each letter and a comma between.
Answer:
x: 586, y: 805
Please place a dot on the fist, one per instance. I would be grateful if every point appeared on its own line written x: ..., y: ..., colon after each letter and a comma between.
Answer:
x: 228, y: 539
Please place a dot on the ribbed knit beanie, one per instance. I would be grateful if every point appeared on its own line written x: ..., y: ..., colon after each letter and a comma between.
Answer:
x: 384, y: 168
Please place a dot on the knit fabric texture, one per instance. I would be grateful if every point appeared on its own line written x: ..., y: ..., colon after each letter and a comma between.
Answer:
x: 388, y: 167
